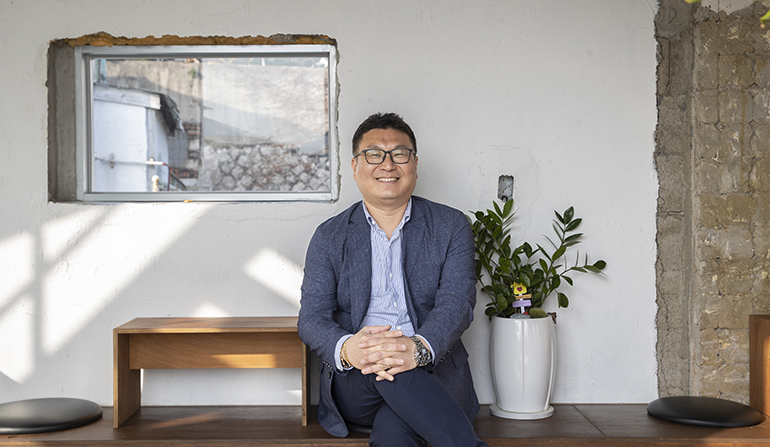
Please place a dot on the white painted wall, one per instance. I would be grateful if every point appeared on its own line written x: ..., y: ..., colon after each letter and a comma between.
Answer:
x: 559, y: 94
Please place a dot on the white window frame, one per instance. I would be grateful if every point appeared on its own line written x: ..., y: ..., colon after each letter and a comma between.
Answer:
x: 84, y: 119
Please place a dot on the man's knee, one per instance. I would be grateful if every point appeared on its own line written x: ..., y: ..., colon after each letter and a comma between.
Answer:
x: 389, y: 430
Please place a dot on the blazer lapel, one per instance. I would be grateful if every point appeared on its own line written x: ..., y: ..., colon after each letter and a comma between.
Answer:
x: 414, y: 234
x: 359, y: 258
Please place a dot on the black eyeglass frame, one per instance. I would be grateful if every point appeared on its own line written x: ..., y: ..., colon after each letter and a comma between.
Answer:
x: 385, y: 155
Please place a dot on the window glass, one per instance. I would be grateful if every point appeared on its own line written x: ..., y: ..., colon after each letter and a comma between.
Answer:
x: 246, y: 125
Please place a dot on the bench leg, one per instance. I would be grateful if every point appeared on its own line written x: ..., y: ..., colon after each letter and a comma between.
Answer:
x: 126, y: 388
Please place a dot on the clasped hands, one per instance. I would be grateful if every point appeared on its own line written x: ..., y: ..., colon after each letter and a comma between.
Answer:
x: 378, y: 350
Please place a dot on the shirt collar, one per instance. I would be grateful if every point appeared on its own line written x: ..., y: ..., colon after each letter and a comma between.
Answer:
x: 404, y: 219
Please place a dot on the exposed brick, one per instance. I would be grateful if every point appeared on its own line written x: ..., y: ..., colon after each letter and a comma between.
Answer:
x: 736, y: 278
x: 709, y: 344
x: 734, y: 37
x: 709, y: 312
x: 707, y: 206
x: 734, y: 382
x: 733, y: 141
x: 760, y: 175
x: 707, y: 141
x: 760, y: 141
x: 735, y: 71
x: 708, y: 381
x: 734, y: 314
x: 735, y: 107
x: 706, y: 107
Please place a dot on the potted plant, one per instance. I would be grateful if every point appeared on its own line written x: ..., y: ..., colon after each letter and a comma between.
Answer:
x: 518, y: 280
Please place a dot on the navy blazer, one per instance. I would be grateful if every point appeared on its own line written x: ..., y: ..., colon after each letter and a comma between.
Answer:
x: 439, y: 284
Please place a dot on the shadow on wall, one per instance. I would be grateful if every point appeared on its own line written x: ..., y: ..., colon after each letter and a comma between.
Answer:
x: 82, y: 272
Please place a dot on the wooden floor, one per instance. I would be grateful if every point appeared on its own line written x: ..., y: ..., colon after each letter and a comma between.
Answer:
x: 571, y: 425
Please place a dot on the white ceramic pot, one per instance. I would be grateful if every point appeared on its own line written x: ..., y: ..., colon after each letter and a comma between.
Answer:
x: 523, y: 357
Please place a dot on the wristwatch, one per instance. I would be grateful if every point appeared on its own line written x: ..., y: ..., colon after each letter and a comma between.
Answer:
x: 421, y: 354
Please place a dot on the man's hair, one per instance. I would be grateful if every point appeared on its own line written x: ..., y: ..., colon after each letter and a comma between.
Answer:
x: 383, y: 121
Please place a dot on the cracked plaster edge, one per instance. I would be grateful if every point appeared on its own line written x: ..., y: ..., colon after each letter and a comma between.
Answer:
x: 102, y: 39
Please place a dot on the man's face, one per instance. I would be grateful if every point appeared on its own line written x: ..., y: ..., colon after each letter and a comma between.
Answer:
x: 386, y: 185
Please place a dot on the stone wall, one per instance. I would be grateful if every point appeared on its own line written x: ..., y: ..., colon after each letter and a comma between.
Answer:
x: 265, y: 167
x: 713, y: 161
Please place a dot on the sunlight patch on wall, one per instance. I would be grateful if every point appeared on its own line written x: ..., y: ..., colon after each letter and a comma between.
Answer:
x: 274, y: 271
x: 209, y: 310
x: 104, y: 262
x: 17, y: 267
x: 17, y: 353
x: 61, y: 233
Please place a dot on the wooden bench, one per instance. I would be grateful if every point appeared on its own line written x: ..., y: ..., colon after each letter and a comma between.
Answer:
x: 759, y: 362
x: 195, y: 343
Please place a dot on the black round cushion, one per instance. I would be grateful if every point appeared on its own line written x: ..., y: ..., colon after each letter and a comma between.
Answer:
x: 44, y: 415
x: 704, y: 411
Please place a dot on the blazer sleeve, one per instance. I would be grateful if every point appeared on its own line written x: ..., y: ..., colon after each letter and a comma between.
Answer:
x: 455, y: 296
x: 317, y: 326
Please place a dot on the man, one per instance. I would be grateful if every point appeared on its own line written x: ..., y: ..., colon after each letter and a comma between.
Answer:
x: 389, y: 288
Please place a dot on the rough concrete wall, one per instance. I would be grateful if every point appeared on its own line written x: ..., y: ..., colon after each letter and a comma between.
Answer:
x: 673, y: 25
x: 717, y: 150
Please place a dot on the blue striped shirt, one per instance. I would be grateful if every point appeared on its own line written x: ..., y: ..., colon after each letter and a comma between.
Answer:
x: 387, y: 305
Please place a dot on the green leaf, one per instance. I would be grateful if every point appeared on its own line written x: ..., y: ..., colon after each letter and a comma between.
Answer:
x: 527, y: 249
x: 600, y: 264
x: 563, y: 300
x: 507, y: 207
x: 573, y: 237
x: 568, y: 279
x: 574, y: 224
x: 497, y: 208
x: 558, y: 216
x: 489, y: 247
x: 502, y: 303
x: 555, y: 283
x: 495, y: 218
x: 543, y: 265
x: 559, y: 253
x: 568, y: 214
x: 593, y: 269
x: 490, y: 312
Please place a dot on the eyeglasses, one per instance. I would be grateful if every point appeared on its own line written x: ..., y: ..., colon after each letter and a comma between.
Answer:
x: 399, y: 156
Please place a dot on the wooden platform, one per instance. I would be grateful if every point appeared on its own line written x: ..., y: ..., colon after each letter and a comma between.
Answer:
x: 571, y: 425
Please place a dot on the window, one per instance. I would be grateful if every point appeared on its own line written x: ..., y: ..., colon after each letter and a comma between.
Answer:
x: 206, y: 123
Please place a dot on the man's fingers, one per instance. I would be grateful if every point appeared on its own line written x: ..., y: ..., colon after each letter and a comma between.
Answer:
x: 380, y: 338
x: 382, y: 365
x: 381, y: 356
x: 390, y: 373
x: 384, y: 375
x: 371, y: 330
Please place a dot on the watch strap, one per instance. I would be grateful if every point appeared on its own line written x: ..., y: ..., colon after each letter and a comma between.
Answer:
x: 422, y: 355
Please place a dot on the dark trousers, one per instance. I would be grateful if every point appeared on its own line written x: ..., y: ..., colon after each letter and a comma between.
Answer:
x: 414, y: 408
